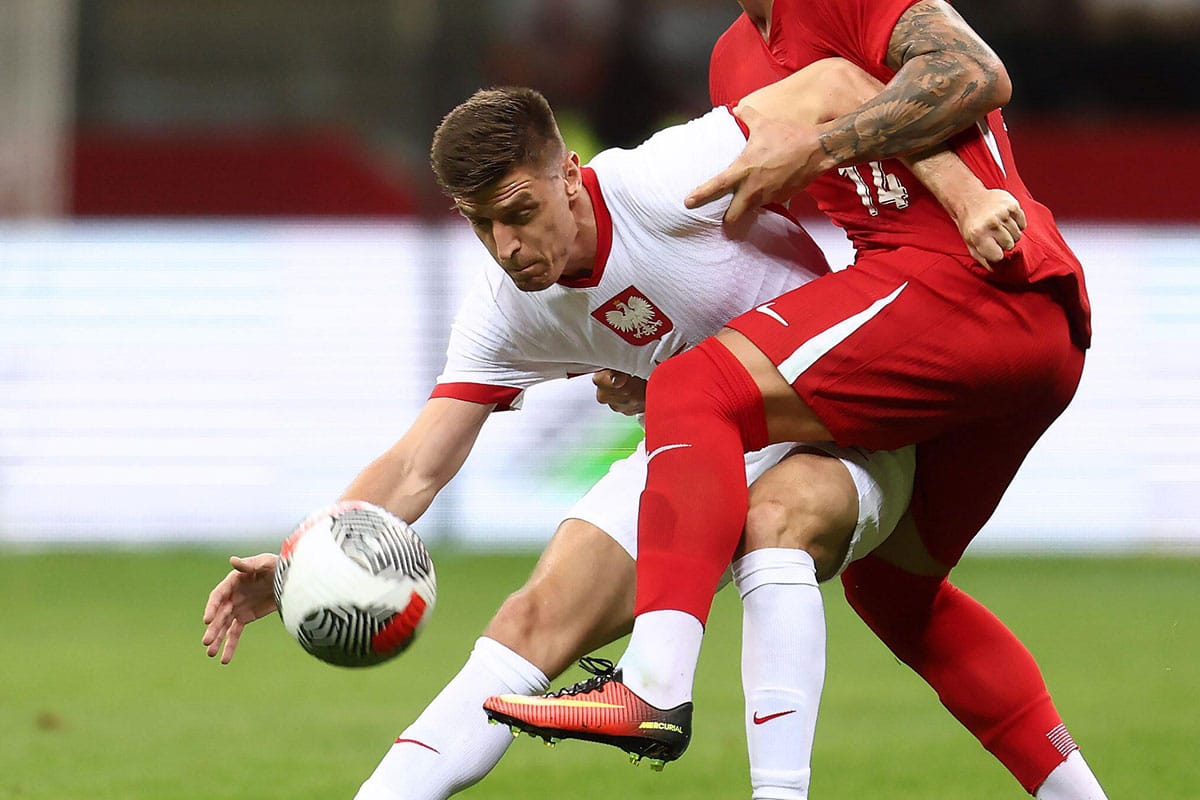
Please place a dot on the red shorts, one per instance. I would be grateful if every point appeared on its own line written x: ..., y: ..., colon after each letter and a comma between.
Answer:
x: 911, y: 347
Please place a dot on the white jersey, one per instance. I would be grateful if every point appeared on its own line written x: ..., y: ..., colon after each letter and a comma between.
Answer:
x: 665, y: 277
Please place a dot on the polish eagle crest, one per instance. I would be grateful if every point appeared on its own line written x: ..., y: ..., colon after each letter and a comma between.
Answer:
x: 633, y: 317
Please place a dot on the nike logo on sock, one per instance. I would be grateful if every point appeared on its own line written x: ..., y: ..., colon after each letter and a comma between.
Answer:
x: 414, y: 741
x: 664, y: 449
x: 760, y: 720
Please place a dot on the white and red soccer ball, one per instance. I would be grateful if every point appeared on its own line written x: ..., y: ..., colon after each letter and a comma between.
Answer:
x: 354, y: 584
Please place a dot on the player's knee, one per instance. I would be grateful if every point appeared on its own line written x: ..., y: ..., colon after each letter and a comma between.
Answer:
x: 767, y: 524
x: 524, y: 623
x: 807, y: 515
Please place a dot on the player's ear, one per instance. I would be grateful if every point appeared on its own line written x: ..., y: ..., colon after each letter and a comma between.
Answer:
x: 572, y: 173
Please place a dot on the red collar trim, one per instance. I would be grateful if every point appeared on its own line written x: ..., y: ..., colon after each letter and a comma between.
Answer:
x: 604, y: 234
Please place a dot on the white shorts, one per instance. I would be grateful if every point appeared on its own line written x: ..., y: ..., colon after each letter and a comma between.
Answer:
x: 884, y: 480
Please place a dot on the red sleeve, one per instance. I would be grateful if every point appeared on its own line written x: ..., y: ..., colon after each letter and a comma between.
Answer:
x: 482, y: 393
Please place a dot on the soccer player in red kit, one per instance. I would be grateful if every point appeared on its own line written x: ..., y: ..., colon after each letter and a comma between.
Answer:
x: 916, y: 343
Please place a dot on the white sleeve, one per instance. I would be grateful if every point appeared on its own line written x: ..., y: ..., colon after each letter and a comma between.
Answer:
x: 483, y: 363
x: 656, y: 176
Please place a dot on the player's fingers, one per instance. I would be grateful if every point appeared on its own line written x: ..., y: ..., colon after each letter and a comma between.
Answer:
x: 1013, y: 228
x: 743, y: 200
x: 987, y: 252
x: 1005, y: 240
x: 1019, y: 215
x: 254, y: 565
x: 231, y: 641
x: 218, y: 596
x: 216, y: 628
x: 717, y: 186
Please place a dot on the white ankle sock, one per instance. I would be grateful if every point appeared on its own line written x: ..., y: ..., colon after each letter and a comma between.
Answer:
x: 1071, y: 780
x: 451, y: 746
x: 783, y: 667
x: 659, y: 664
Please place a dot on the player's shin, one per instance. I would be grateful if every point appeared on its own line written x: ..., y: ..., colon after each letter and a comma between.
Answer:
x: 450, y: 745
x: 703, y: 412
x: 783, y: 667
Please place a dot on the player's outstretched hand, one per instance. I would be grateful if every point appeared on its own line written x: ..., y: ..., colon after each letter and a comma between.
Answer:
x: 622, y: 393
x: 242, y: 596
x: 992, y: 226
x: 778, y: 161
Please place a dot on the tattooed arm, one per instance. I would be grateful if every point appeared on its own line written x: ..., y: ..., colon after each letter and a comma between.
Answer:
x: 946, y: 79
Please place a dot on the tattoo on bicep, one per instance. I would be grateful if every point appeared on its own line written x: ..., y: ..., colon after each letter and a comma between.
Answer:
x: 933, y: 26
x: 927, y: 102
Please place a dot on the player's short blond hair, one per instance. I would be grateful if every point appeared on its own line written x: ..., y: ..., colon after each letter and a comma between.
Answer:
x: 490, y: 134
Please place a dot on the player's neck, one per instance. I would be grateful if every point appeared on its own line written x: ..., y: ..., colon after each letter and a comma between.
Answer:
x: 759, y: 12
x: 582, y: 259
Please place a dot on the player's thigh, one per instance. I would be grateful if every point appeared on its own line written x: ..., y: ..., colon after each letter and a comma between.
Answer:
x: 962, y: 476
x: 578, y: 597
x: 834, y: 502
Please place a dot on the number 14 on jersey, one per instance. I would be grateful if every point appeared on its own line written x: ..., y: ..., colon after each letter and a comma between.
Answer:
x: 887, y: 189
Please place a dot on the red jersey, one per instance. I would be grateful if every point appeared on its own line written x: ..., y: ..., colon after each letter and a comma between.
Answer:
x: 881, y: 205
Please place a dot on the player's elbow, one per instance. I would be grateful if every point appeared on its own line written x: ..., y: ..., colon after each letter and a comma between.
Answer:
x: 997, y: 82
x: 985, y: 81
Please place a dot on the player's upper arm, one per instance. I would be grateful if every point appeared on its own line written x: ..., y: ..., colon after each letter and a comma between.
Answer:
x: 818, y: 93
x: 933, y: 30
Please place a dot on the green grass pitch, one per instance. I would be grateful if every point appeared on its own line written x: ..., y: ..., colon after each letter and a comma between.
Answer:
x: 106, y: 694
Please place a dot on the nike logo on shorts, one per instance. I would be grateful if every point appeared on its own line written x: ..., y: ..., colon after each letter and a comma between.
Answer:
x: 760, y: 720
x: 819, y: 345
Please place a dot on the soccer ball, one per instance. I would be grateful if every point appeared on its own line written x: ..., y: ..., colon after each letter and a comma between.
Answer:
x: 354, y: 584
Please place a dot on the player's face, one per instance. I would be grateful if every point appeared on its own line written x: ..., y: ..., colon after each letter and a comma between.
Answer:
x: 526, y: 223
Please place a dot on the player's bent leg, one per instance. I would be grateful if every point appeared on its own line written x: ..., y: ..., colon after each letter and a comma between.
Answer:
x: 788, y: 417
x: 550, y: 598
x: 808, y: 501
x: 703, y: 413
x: 981, y: 672
x: 579, y: 597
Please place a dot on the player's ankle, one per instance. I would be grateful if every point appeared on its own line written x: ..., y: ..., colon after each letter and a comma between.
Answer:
x: 660, y: 663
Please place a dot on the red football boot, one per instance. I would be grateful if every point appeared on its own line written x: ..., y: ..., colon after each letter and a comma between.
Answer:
x: 600, y: 709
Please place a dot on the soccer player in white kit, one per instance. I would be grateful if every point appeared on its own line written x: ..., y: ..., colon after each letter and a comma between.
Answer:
x: 598, y: 268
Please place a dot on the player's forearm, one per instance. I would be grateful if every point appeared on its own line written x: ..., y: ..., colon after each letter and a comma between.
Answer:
x: 820, y: 92
x: 407, y: 477
x: 946, y: 79
x: 391, y: 482
x: 946, y: 177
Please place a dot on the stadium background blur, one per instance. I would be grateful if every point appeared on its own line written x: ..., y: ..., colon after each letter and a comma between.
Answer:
x: 226, y: 282
x: 226, y: 276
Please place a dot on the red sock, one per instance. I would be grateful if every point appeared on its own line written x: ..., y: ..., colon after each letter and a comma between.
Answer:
x: 704, y: 411
x: 982, y: 673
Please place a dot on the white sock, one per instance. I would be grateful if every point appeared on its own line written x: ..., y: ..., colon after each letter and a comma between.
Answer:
x: 451, y: 745
x: 783, y: 667
x: 659, y: 664
x: 1071, y: 780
